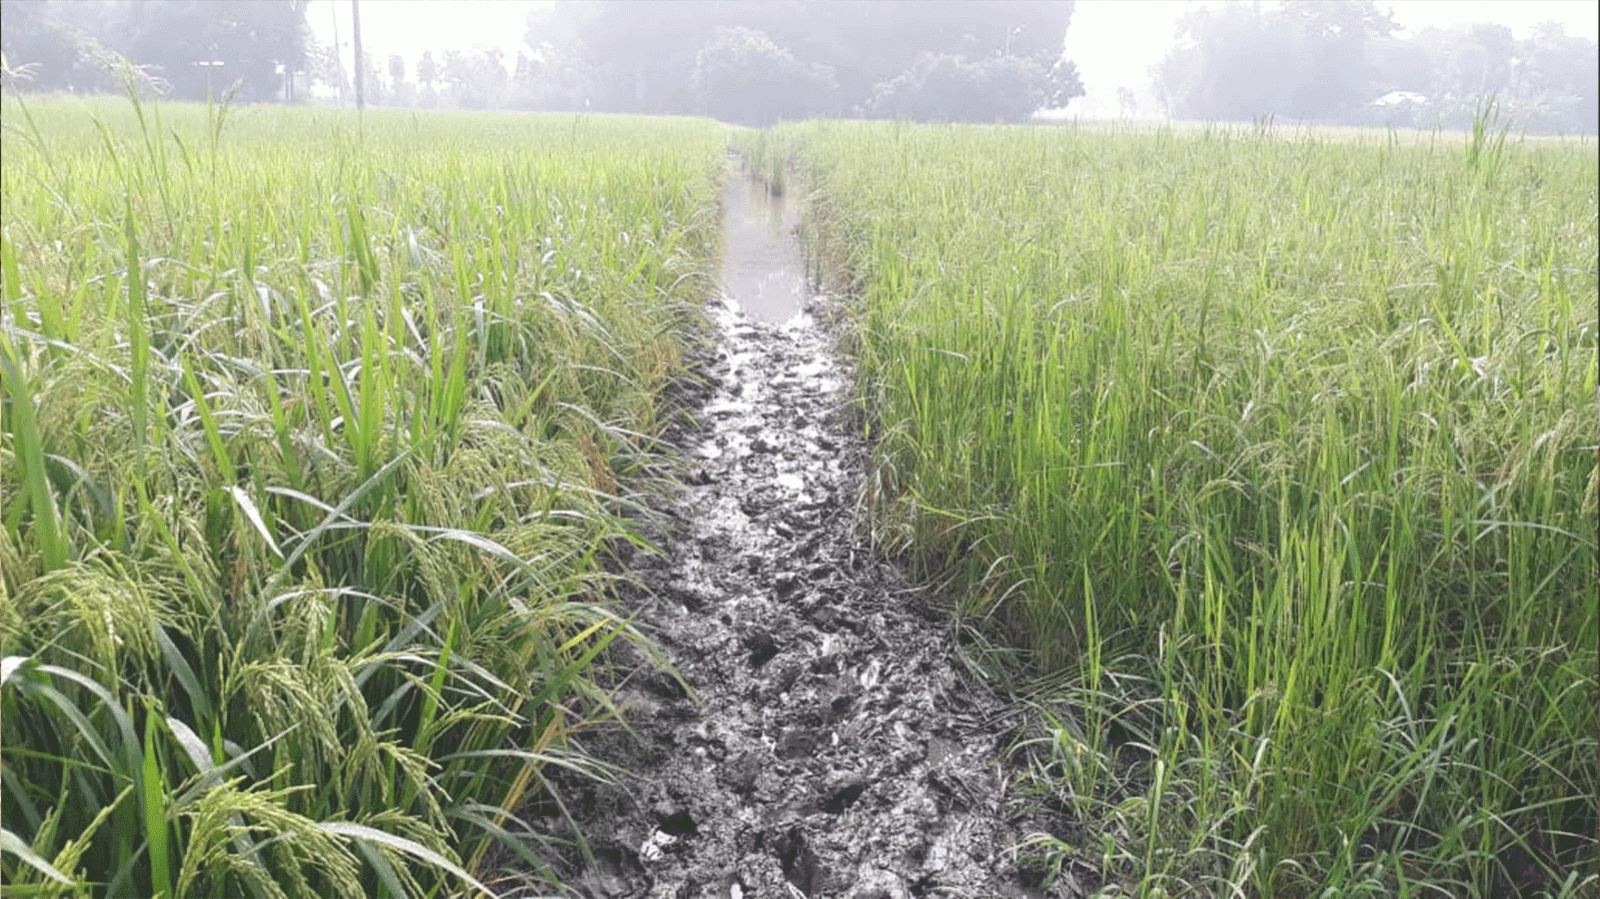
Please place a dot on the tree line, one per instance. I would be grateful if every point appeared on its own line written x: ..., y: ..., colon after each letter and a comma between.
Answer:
x: 189, y: 47
x: 756, y: 62
x: 1344, y: 64
x: 747, y: 61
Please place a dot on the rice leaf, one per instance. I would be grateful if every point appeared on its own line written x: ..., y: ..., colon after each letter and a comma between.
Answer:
x: 362, y: 833
x: 15, y: 845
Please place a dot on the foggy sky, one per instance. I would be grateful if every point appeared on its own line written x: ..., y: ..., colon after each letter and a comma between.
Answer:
x: 1113, y: 42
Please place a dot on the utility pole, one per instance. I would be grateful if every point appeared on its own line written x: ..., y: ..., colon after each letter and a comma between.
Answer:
x: 355, y: 23
x: 338, y: 55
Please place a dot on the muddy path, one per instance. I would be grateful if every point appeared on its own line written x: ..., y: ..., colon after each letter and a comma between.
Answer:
x: 838, y: 748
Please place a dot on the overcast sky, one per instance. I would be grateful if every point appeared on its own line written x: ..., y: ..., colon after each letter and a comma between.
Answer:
x: 1114, y: 42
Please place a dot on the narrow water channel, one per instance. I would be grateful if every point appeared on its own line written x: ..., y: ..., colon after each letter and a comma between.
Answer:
x: 763, y: 268
x: 832, y: 747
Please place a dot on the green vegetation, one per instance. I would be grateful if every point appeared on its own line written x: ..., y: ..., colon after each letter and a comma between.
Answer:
x: 1279, y: 452
x: 312, y: 434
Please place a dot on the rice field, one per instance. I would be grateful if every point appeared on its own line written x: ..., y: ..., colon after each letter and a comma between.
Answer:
x: 314, y: 427
x: 1264, y: 461
x: 1279, y: 453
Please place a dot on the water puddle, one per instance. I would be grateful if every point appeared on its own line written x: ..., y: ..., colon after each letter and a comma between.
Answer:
x: 763, y: 269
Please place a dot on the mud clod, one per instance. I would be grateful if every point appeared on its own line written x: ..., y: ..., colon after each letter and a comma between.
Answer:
x: 843, y: 793
x: 762, y: 648
x: 837, y: 749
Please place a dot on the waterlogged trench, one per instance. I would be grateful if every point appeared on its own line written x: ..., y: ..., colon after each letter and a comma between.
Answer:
x: 837, y: 749
x: 762, y: 268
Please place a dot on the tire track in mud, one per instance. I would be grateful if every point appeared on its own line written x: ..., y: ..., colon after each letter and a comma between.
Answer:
x: 837, y: 750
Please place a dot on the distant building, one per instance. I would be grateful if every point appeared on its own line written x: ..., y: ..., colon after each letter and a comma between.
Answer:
x: 1400, y: 98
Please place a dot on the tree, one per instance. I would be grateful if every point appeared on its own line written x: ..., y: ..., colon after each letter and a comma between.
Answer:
x: 487, y: 89
x: 401, y: 91
x: 1558, y: 75
x: 427, y: 70
x: 946, y: 87
x: 1217, y: 70
x: 455, y: 72
x: 555, y: 79
x: 870, y: 44
x: 55, y: 44
x: 1061, y: 83
x: 195, y: 46
x: 323, y: 66
x: 475, y: 80
x: 1302, y: 59
x: 1334, y: 78
x: 377, y: 92
x: 1341, y: 63
x: 1545, y: 83
x: 1486, y: 66
x: 741, y: 76
x: 644, y: 57
x: 427, y: 77
x: 397, y: 69
x: 202, y: 47
x: 1127, y: 102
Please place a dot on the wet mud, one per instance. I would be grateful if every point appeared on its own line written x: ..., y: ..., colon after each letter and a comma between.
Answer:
x: 834, y: 746
x: 837, y: 747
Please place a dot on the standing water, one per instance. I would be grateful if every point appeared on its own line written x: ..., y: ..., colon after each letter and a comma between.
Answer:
x: 762, y: 268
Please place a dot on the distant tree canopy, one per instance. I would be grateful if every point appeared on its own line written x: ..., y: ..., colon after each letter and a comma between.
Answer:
x: 756, y: 61
x: 196, y: 46
x: 752, y: 62
x: 1340, y: 63
x: 743, y: 76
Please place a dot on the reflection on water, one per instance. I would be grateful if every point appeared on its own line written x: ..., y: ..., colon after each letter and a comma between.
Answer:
x: 763, y: 269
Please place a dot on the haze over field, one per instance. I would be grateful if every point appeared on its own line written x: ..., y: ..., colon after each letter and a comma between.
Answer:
x: 1113, y: 42
x: 1416, y: 63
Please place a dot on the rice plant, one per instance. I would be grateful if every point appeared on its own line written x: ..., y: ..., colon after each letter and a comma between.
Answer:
x: 1278, y: 449
x: 313, y: 431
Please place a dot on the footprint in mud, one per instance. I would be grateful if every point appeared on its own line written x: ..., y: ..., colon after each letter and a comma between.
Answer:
x: 835, y: 750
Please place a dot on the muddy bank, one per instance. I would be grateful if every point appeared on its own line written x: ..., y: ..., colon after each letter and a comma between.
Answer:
x: 837, y: 748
